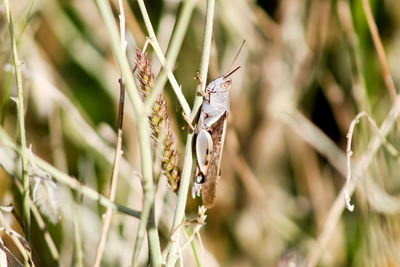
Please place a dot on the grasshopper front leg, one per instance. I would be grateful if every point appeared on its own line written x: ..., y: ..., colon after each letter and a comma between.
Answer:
x: 202, y: 92
x: 188, y: 121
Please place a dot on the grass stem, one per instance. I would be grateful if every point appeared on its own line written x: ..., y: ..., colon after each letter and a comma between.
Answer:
x: 164, y: 63
x: 148, y: 185
x: 188, y: 161
x: 379, y: 49
x: 173, y: 51
x: 66, y: 180
x: 21, y: 121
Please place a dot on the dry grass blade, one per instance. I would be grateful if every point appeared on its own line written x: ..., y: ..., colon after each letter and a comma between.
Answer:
x: 379, y: 49
x: 118, y: 150
x: 307, y: 69
x: 348, y: 189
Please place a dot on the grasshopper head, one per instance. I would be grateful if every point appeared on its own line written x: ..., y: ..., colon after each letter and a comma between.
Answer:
x: 221, y: 84
x: 226, y: 81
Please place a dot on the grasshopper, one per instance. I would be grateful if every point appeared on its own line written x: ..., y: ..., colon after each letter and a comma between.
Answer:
x: 210, y: 136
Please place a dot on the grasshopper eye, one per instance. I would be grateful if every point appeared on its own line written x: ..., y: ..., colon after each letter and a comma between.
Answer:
x: 226, y: 84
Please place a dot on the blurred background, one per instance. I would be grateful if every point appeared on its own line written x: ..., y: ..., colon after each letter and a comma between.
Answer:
x: 307, y: 69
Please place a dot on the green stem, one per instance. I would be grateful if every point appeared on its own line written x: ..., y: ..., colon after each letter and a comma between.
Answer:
x: 6, y: 95
x: 123, y: 64
x: 164, y: 63
x: 21, y: 122
x: 205, y: 57
x: 78, y: 255
x: 155, y: 252
x: 188, y: 161
x: 154, y: 239
x: 148, y: 187
x: 182, y: 197
x: 72, y: 183
x: 142, y: 125
x: 173, y: 50
x: 196, y: 255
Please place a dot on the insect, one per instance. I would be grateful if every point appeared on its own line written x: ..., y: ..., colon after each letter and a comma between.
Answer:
x: 210, y: 136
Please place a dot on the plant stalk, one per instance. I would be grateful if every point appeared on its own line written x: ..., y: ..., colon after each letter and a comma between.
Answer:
x: 188, y: 161
x: 21, y: 122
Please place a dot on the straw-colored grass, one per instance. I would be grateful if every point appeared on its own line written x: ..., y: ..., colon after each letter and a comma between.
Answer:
x: 312, y: 129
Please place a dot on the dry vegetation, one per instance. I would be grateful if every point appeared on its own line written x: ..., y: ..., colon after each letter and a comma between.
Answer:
x: 307, y: 69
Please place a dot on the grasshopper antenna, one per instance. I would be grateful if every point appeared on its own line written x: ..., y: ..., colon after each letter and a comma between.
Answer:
x: 229, y: 74
x: 237, y: 54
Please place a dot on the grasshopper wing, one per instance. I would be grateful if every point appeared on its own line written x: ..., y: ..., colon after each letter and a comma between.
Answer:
x: 210, y: 182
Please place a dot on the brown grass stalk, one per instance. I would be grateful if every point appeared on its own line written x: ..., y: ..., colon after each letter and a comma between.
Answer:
x: 379, y: 49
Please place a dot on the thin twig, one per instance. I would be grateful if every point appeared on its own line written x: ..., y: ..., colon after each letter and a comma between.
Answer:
x: 114, y: 178
x: 379, y: 49
x: 188, y: 161
x: 21, y: 122
x: 131, y: 22
x: 349, y: 153
x: 118, y: 151
x: 390, y: 148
